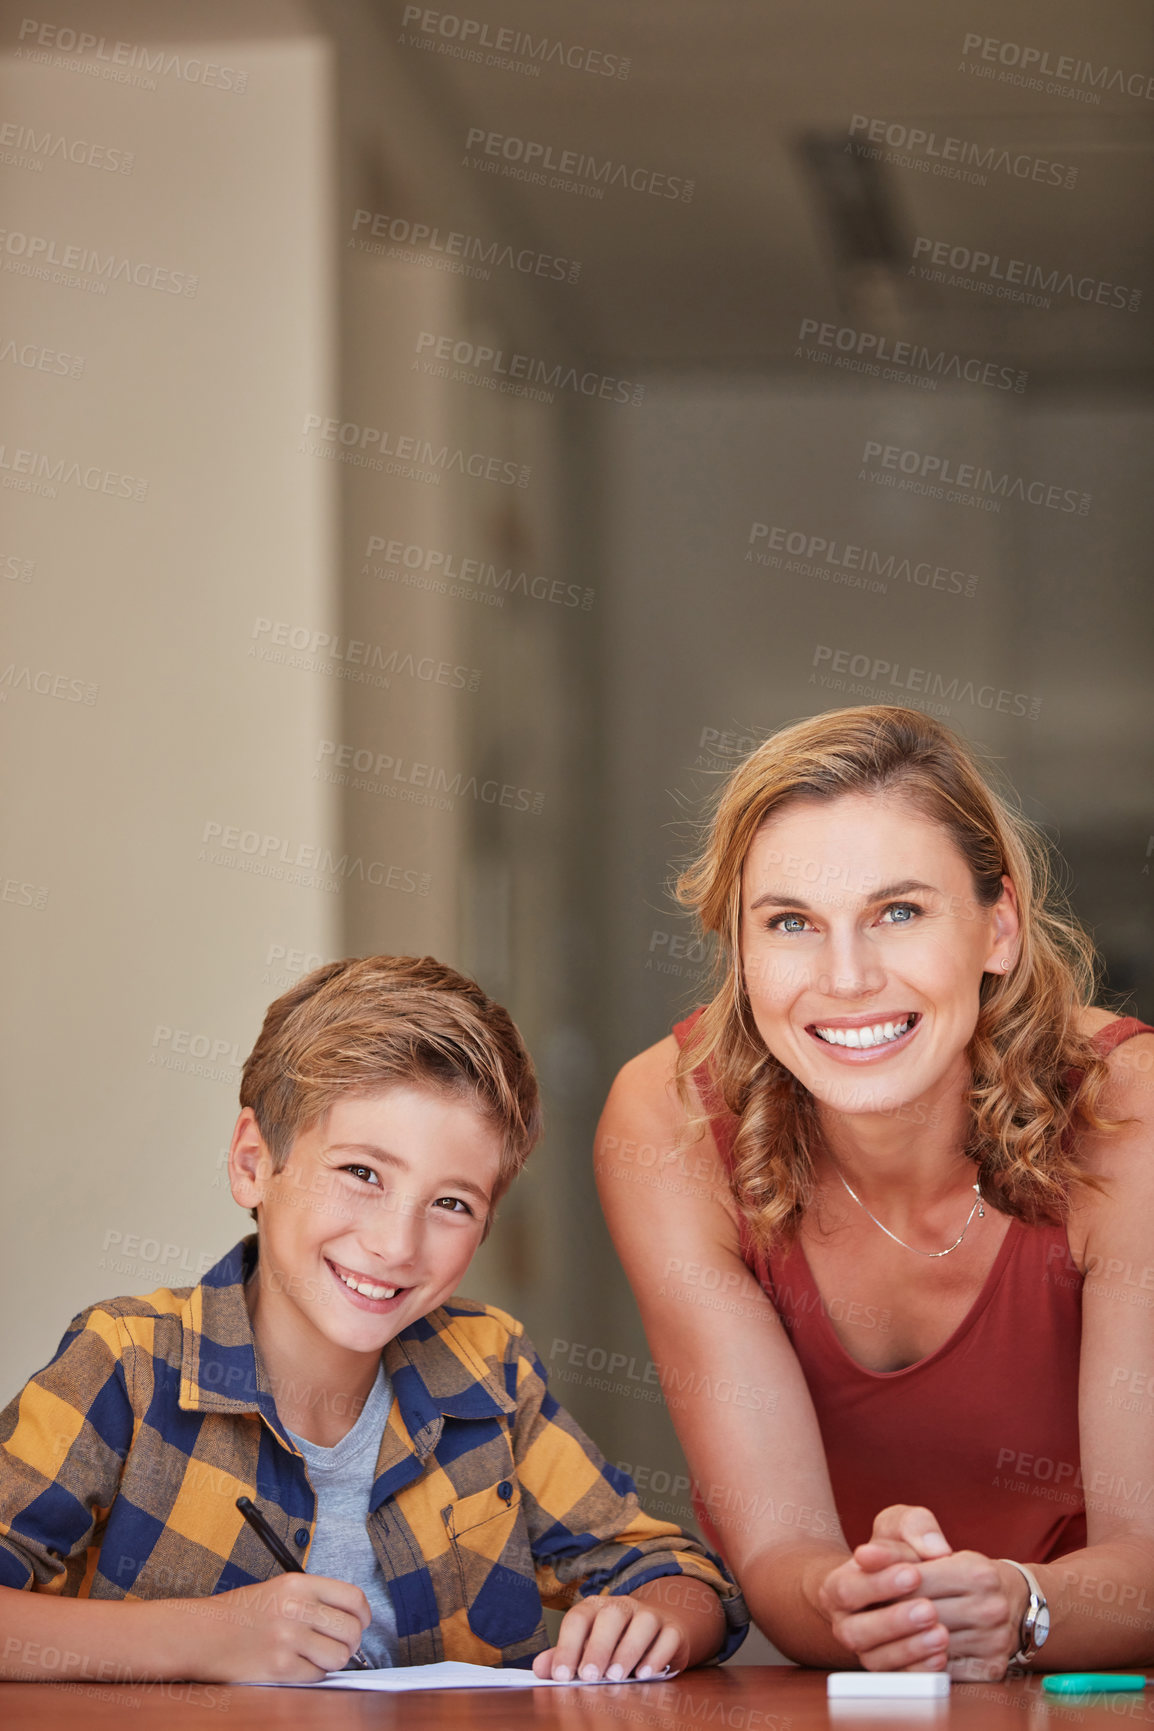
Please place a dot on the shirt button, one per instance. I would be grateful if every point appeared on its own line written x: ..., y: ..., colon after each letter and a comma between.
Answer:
x: 505, y: 1491
x: 301, y: 1536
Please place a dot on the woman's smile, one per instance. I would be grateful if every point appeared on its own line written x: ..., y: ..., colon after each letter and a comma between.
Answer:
x: 866, y: 1039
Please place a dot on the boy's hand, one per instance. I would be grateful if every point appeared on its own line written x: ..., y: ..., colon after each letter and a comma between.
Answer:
x: 291, y: 1629
x: 613, y: 1638
x: 664, y: 1626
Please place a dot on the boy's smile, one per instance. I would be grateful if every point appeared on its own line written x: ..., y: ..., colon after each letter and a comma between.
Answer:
x: 368, y: 1226
x: 365, y: 1288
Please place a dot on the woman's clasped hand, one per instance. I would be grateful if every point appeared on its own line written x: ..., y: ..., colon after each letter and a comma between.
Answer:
x: 906, y: 1602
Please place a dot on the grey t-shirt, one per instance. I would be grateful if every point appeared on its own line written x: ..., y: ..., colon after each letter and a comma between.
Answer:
x: 342, y: 1478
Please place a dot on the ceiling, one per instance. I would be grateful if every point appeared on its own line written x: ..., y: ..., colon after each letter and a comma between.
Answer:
x: 726, y: 94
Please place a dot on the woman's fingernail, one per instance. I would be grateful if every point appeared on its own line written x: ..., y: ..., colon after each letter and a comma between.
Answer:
x: 561, y: 1673
x: 929, y: 1643
x: 616, y: 1672
x: 905, y: 1579
x: 644, y: 1671
x: 934, y: 1542
x: 590, y: 1673
x: 921, y: 1614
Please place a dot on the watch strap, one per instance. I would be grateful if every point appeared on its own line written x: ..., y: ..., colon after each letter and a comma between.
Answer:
x: 1027, y: 1645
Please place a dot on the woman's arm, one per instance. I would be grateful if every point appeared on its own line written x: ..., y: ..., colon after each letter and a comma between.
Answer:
x: 1101, y: 1598
x: 733, y: 1385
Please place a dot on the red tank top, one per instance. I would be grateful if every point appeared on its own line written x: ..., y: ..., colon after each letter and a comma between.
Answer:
x: 984, y: 1431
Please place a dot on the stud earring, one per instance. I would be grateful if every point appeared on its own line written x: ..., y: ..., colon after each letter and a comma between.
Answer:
x: 1005, y: 963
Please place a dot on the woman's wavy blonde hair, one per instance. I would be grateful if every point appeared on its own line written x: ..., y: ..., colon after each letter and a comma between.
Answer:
x: 1036, y: 1077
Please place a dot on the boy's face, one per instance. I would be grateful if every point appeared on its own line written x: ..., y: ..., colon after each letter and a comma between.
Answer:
x: 390, y: 1191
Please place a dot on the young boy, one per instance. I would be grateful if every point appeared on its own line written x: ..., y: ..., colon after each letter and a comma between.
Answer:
x: 401, y: 1443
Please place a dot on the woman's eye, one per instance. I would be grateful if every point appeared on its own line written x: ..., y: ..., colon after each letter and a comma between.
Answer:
x: 788, y: 923
x: 902, y: 912
x: 364, y: 1173
x: 452, y: 1205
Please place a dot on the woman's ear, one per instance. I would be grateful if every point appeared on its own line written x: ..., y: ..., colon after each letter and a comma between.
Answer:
x: 1005, y: 931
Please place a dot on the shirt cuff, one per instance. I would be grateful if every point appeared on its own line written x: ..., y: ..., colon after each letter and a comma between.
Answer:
x: 732, y: 1603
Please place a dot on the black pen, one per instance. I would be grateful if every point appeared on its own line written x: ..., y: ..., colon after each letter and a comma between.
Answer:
x: 281, y: 1554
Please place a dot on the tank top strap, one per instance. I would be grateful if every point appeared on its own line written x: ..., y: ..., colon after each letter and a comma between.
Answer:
x: 722, y: 1121
x: 723, y: 1126
x: 1114, y: 1034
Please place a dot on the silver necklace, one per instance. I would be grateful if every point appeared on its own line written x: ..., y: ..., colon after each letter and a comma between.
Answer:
x: 979, y: 1209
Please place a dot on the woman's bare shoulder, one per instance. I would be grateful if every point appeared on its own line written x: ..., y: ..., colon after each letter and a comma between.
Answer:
x: 646, y: 1132
x: 649, y: 1079
x: 645, y: 1093
x: 1091, y: 1017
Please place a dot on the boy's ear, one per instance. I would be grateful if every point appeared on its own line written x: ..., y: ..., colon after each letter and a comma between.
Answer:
x: 250, y: 1164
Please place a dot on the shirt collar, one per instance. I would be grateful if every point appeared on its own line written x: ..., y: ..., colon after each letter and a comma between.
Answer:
x: 434, y: 1371
x: 218, y: 1369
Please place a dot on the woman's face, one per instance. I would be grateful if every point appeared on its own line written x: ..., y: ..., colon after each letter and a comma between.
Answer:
x: 864, y: 948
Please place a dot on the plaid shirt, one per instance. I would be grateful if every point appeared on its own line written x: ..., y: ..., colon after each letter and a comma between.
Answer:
x: 121, y: 1463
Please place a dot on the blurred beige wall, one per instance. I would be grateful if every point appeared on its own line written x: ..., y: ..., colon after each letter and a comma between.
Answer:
x: 205, y: 828
x: 138, y: 974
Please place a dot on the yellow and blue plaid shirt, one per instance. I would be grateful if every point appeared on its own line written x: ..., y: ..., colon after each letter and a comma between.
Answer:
x: 121, y: 1463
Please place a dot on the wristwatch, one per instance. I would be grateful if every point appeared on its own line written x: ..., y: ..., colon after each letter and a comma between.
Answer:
x: 1035, y: 1624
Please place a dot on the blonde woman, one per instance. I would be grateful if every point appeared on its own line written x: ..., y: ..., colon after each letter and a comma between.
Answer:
x: 891, y: 1237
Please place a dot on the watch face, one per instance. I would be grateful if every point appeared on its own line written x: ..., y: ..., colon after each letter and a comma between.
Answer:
x: 1041, y: 1625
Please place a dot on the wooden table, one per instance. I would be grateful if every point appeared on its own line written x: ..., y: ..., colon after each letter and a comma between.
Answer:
x: 740, y: 1698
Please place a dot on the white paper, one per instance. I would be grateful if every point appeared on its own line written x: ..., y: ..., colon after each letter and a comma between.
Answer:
x: 450, y: 1674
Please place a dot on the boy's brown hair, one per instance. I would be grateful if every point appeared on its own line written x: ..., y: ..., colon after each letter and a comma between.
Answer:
x: 373, y: 1022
